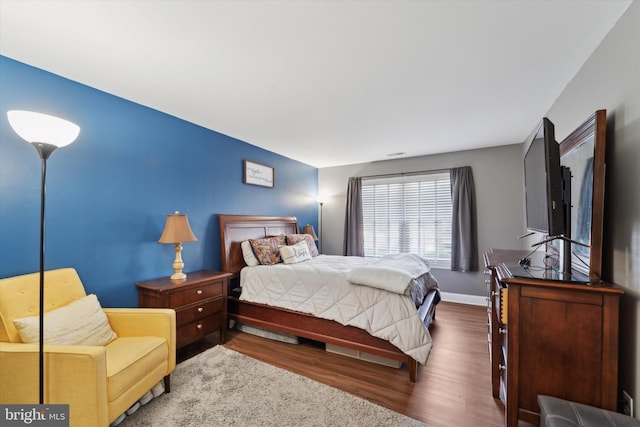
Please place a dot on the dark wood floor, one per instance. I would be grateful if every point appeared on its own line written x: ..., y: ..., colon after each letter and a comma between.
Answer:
x: 453, y: 389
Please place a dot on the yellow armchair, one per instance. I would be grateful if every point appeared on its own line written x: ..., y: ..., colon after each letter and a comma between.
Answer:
x: 98, y: 382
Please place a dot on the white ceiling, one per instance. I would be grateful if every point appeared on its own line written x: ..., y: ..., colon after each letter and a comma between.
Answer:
x: 325, y: 82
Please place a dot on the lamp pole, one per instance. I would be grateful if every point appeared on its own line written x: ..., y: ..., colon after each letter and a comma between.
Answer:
x: 45, y: 151
x: 321, y: 228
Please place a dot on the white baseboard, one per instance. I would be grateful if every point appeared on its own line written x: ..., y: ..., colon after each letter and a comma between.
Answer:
x: 463, y: 299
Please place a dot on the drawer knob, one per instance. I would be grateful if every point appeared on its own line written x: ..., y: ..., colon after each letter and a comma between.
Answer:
x: 199, y: 292
x: 502, y: 367
x: 494, y: 294
x: 502, y: 330
x: 200, y: 309
x: 199, y: 326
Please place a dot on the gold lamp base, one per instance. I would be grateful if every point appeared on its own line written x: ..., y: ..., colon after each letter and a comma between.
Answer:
x: 178, y: 265
x: 178, y: 277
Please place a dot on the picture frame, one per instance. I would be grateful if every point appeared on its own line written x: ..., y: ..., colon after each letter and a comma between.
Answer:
x: 258, y: 174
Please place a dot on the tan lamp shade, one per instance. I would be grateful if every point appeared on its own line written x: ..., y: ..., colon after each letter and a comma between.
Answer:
x: 308, y: 229
x: 177, y: 230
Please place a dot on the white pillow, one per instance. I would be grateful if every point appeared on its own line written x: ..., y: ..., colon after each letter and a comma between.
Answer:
x: 295, y: 253
x: 80, y: 323
x: 248, y: 255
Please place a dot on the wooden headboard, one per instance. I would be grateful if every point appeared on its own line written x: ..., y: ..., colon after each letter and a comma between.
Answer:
x: 236, y: 228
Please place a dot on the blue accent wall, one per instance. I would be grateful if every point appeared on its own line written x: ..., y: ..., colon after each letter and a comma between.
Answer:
x: 109, y: 192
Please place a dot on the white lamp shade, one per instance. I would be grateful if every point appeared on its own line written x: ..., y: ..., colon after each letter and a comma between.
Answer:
x: 43, y: 128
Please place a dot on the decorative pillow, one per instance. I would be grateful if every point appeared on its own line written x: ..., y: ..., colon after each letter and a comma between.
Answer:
x: 295, y: 253
x: 80, y: 323
x: 267, y: 250
x: 248, y: 255
x: 292, y: 239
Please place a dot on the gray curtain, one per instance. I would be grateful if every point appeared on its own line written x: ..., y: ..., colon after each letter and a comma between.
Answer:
x: 353, y: 227
x: 464, y: 234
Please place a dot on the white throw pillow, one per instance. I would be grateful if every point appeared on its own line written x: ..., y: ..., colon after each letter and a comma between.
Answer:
x: 295, y: 253
x: 292, y: 239
x: 80, y: 323
x: 248, y: 255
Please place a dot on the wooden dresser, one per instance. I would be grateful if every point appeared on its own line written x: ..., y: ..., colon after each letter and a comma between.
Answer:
x: 200, y: 303
x: 549, y: 337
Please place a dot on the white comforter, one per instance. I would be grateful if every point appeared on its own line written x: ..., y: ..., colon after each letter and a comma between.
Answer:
x: 319, y: 287
x: 394, y: 273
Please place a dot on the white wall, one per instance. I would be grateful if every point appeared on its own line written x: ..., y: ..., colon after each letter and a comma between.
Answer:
x: 499, y: 184
x: 610, y: 79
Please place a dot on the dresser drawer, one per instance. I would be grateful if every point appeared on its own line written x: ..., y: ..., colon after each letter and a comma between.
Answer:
x: 194, y: 331
x: 199, y: 311
x: 195, y: 294
x: 501, y: 359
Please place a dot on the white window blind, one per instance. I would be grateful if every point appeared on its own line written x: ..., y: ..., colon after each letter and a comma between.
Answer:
x: 409, y: 213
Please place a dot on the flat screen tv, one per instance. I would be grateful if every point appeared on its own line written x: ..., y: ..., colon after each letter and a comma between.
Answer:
x: 544, y: 183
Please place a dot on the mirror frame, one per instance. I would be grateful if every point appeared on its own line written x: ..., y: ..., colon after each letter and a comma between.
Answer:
x: 594, y: 127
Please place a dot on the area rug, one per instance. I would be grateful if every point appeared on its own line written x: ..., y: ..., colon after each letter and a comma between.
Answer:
x: 221, y: 387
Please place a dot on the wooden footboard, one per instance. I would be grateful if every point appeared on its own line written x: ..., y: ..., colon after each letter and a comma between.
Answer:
x: 314, y: 328
x: 327, y: 331
x: 236, y: 228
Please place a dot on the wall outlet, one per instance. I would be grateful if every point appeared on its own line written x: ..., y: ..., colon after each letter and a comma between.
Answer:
x: 627, y: 404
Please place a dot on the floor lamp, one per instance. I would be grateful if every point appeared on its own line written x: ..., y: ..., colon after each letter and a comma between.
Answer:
x: 46, y: 133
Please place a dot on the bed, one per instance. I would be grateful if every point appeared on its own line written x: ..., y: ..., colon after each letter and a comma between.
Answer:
x: 234, y: 229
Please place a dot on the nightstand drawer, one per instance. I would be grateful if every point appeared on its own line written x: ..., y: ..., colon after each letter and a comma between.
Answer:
x: 199, y: 329
x: 199, y: 311
x: 195, y: 294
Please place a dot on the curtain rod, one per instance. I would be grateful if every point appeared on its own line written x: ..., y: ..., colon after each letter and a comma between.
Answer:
x: 390, y: 175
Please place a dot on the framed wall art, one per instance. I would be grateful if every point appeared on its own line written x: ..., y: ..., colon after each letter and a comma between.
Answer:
x: 258, y: 174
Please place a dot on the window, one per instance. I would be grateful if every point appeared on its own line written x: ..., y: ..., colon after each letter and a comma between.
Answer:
x: 409, y: 213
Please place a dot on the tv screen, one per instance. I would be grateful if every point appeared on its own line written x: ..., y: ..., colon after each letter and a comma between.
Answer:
x: 543, y: 182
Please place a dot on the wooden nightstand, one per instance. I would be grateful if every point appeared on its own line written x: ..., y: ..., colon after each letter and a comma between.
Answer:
x: 200, y: 303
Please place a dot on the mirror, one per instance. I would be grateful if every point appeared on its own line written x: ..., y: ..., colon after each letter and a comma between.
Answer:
x: 583, y: 152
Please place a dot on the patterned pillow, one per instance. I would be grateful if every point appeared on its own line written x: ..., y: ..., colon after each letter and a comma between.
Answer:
x: 247, y: 253
x: 267, y: 250
x: 292, y: 239
x: 80, y: 323
x: 295, y: 253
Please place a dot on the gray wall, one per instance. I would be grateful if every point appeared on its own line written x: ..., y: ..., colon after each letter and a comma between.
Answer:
x: 610, y: 80
x: 498, y: 177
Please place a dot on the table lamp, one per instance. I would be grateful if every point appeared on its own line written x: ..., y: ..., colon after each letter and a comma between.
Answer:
x: 177, y: 231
